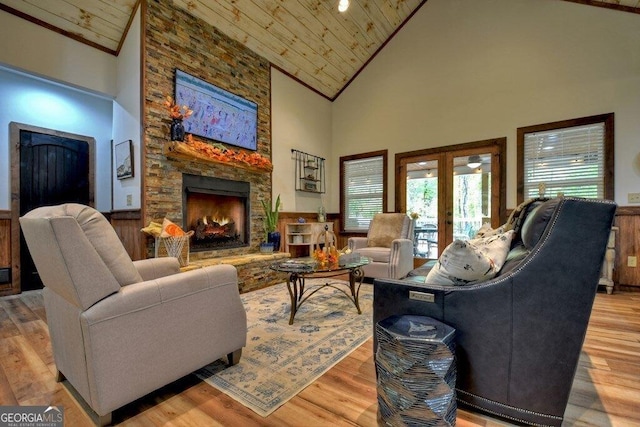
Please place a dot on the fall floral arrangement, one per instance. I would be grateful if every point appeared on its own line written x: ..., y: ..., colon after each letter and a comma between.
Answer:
x: 220, y: 153
x: 327, y: 256
x: 177, y: 111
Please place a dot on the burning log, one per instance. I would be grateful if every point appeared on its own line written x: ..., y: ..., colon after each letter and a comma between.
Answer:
x: 209, y: 228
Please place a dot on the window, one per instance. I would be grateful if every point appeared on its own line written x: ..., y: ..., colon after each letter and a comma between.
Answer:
x: 363, y: 189
x: 572, y: 157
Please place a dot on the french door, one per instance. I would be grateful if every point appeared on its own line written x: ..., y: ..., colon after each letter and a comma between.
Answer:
x: 451, y: 191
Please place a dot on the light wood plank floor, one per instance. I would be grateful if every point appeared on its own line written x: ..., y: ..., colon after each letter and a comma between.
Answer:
x: 606, y: 390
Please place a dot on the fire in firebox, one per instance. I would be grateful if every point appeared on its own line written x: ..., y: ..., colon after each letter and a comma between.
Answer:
x: 221, y: 229
x: 217, y: 210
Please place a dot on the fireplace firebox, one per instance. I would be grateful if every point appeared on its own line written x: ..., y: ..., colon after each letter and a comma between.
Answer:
x: 217, y: 210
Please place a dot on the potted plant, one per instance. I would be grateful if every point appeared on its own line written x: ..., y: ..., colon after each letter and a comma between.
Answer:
x: 271, y: 223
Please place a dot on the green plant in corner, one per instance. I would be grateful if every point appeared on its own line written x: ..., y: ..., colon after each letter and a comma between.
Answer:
x: 270, y: 216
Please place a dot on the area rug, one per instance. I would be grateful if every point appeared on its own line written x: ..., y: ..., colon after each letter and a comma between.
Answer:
x: 280, y: 360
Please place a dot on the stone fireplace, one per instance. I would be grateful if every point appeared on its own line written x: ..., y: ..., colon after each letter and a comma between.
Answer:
x: 175, y: 39
x: 217, y: 211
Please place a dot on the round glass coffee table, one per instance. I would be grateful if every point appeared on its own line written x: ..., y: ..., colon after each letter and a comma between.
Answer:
x: 300, y: 269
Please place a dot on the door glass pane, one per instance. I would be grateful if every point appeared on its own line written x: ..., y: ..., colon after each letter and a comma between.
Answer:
x: 471, y: 194
x: 422, y: 202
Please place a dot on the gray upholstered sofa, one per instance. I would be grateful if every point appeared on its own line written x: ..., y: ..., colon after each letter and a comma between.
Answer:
x: 519, y: 335
x: 121, y: 329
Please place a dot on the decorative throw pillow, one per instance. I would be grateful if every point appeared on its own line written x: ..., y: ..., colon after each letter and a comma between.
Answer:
x: 384, y: 229
x: 486, y: 230
x: 471, y: 261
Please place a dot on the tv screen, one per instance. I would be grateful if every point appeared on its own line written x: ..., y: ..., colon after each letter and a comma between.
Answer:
x: 217, y: 114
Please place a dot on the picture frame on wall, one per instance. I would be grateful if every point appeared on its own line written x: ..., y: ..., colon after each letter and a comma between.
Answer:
x: 217, y: 114
x: 123, y: 159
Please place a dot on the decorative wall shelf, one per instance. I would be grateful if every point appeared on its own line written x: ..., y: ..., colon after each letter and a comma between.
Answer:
x: 309, y: 172
x: 212, y: 154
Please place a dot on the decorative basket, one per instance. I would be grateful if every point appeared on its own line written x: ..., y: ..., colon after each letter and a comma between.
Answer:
x: 177, y: 247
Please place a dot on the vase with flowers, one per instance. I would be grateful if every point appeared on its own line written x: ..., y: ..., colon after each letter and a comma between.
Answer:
x: 178, y: 114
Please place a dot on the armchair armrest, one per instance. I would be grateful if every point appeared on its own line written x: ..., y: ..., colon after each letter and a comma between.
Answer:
x: 483, y: 308
x: 160, y: 330
x: 357, y: 242
x: 401, y: 258
x: 154, y: 268
x: 162, y: 290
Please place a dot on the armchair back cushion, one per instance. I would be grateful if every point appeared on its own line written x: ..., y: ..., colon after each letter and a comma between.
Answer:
x: 386, y: 227
x: 78, y: 248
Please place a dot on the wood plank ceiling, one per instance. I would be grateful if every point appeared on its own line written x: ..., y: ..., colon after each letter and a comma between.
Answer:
x: 307, y: 39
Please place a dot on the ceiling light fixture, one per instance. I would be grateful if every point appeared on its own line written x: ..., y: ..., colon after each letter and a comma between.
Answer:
x: 474, y: 161
x: 343, y: 5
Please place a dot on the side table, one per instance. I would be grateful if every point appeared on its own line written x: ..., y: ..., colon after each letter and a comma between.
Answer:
x: 416, y: 370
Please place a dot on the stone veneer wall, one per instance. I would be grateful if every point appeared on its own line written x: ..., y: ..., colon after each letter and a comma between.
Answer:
x: 174, y: 39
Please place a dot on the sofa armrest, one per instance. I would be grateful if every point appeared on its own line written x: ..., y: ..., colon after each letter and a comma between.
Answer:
x: 154, y: 268
x: 357, y: 242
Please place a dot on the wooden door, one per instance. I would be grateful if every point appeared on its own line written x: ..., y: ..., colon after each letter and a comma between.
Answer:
x: 53, y: 170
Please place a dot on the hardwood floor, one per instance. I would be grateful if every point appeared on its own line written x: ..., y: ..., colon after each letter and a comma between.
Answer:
x: 606, y: 390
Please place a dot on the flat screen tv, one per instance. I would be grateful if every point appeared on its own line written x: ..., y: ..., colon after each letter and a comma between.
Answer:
x: 217, y: 114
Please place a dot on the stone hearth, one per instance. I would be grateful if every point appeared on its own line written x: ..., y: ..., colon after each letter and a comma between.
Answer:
x: 253, y: 269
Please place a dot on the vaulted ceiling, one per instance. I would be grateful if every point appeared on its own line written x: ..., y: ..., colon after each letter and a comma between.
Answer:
x: 307, y: 39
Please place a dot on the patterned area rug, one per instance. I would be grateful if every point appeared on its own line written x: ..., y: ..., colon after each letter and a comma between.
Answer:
x: 280, y: 360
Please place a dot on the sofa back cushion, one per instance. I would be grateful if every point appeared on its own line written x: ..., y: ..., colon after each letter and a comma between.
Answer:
x: 536, y: 222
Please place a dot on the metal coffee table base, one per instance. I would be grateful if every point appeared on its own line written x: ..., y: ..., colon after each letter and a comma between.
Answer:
x: 299, y: 294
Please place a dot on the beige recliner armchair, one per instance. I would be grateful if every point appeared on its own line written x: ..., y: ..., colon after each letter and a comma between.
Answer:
x: 389, y: 244
x: 121, y: 329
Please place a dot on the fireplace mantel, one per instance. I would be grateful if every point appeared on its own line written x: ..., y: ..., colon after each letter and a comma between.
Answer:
x: 182, y: 151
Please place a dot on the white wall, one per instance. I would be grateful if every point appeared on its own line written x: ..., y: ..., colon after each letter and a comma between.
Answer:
x: 35, y: 102
x: 300, y: 119
x: 126, y: 116
x: 32, y: 48
x: 462, y: 71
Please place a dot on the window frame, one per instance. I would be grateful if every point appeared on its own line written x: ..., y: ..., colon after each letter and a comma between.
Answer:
x: 361, y: 156
x: 607, y: 119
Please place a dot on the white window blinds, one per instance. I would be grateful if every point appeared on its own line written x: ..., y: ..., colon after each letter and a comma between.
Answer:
x: 363, y: 191
x: 568, y: 161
